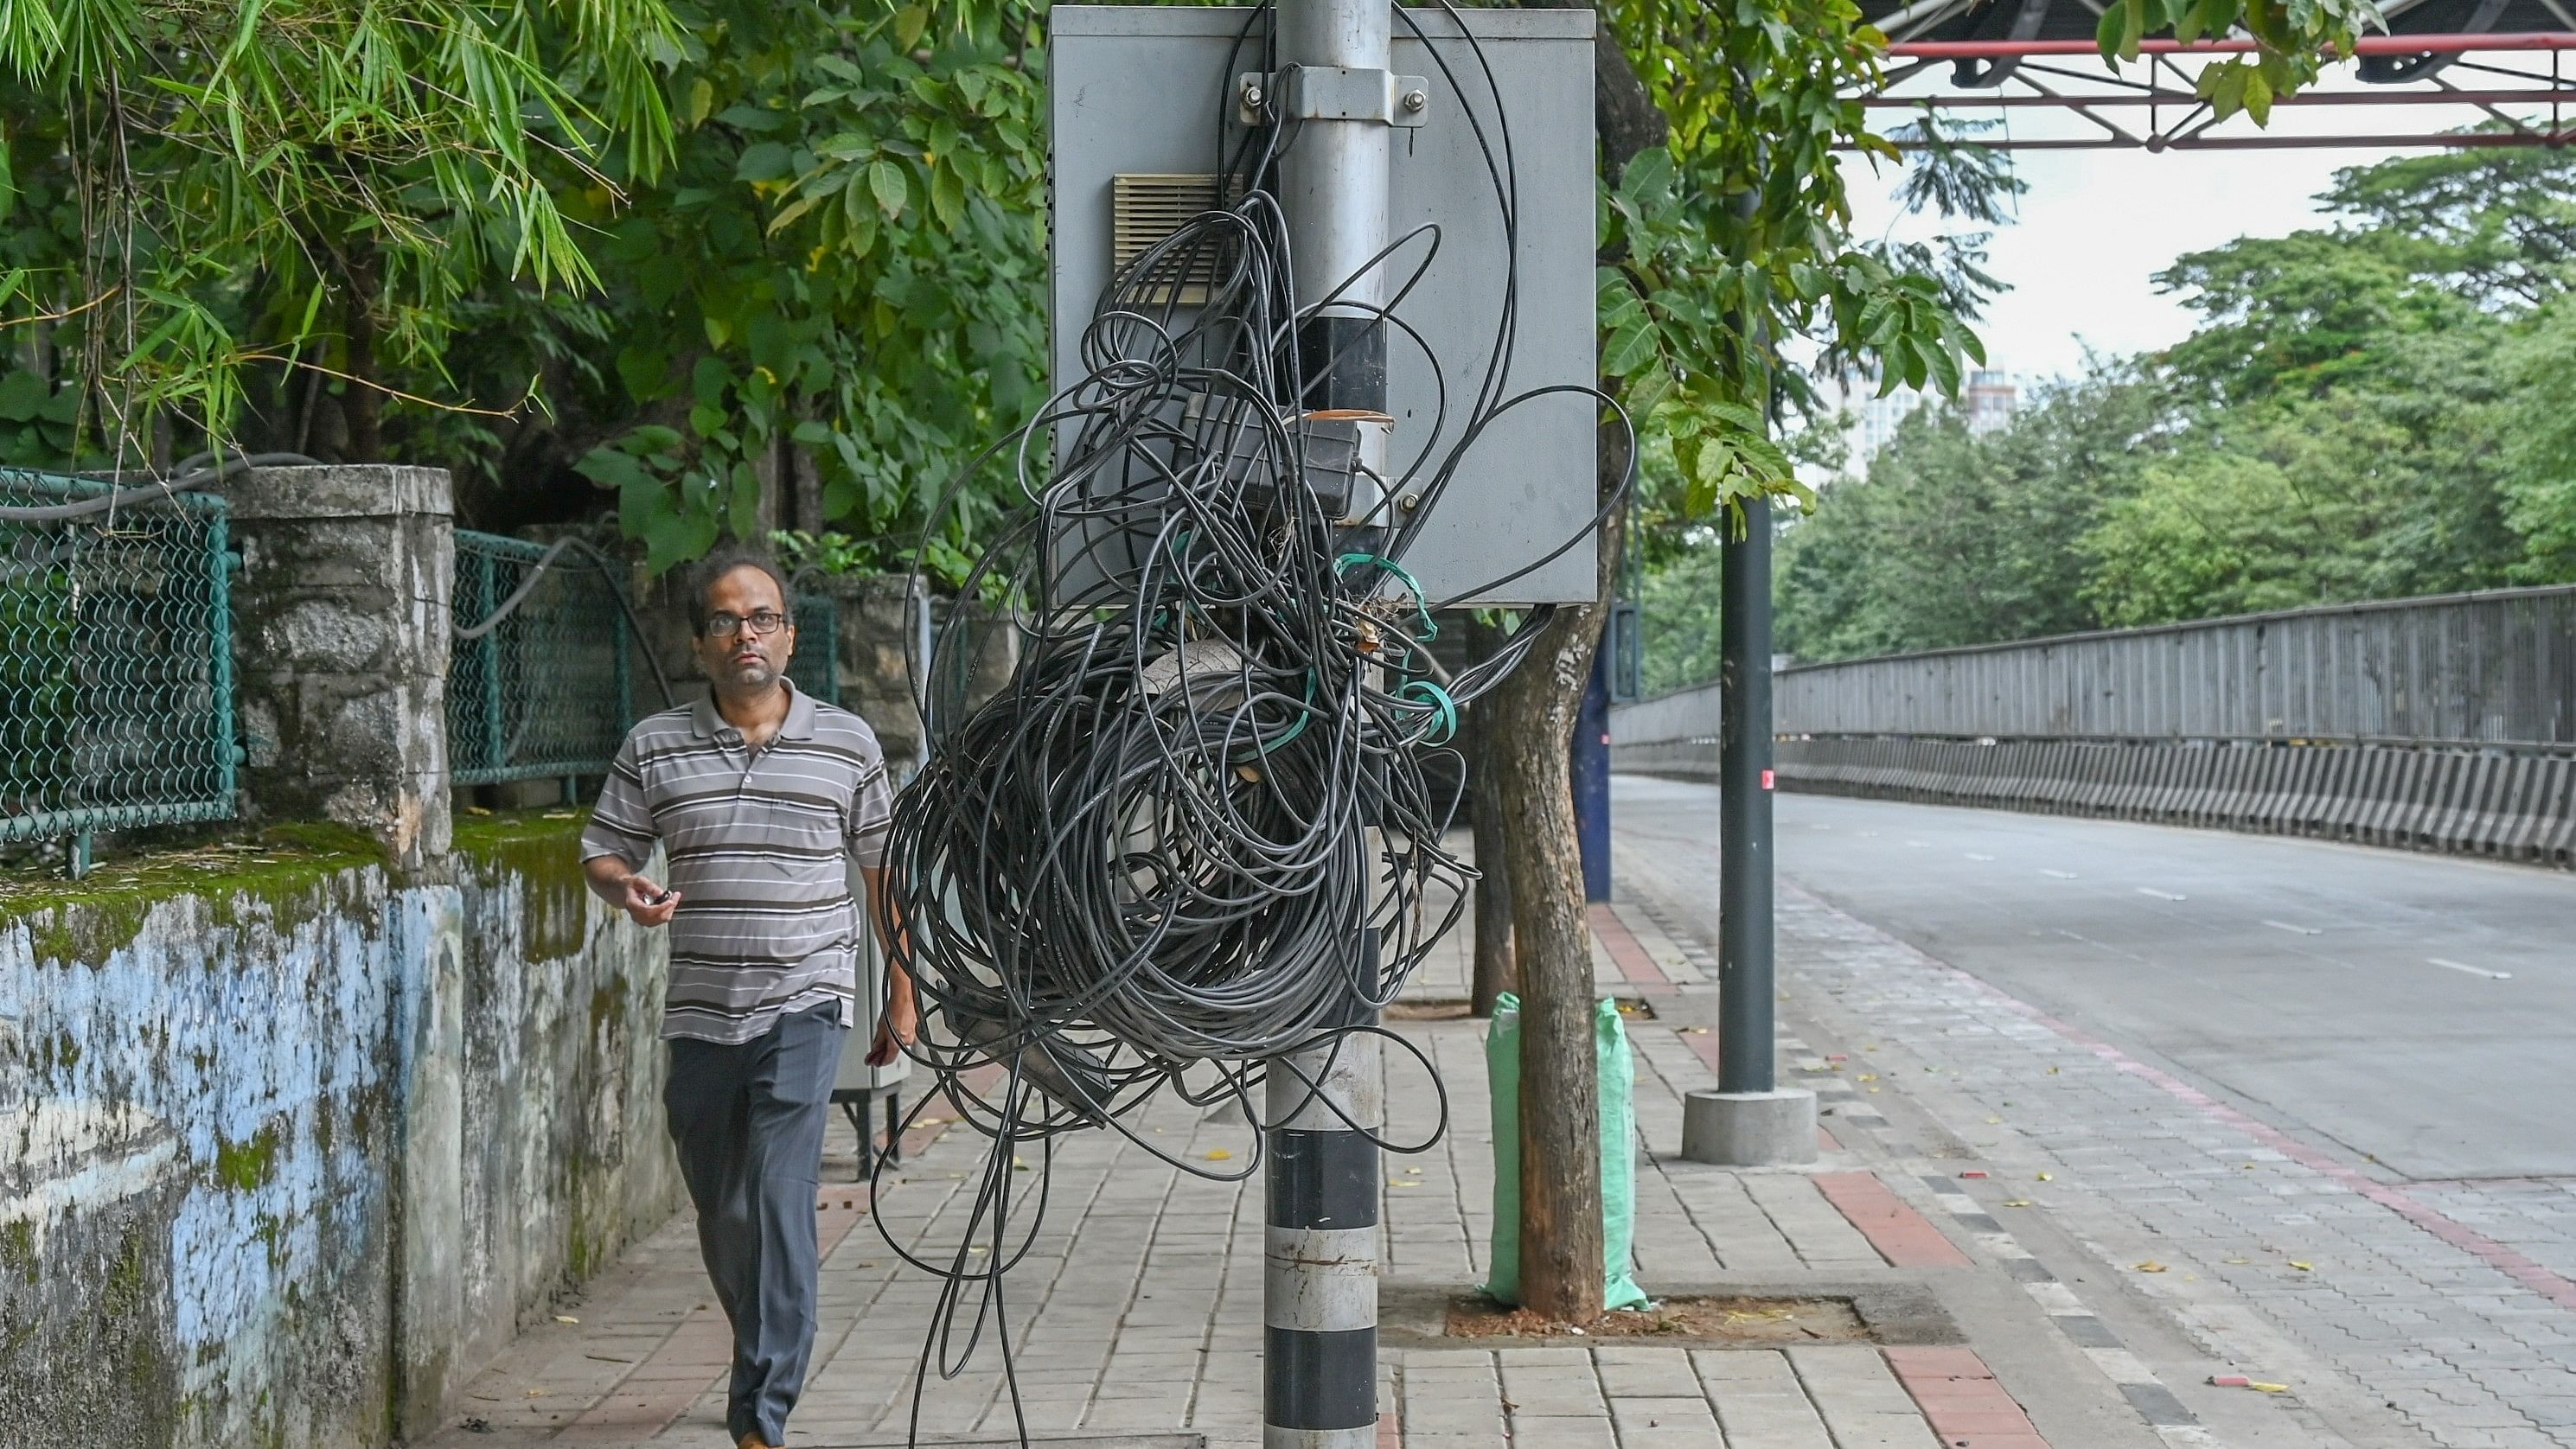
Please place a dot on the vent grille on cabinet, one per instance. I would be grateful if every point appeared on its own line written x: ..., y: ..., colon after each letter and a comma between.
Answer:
x: 1148, y: 208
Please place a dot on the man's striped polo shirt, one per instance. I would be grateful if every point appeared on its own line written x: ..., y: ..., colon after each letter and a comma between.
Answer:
x: 759, y: 847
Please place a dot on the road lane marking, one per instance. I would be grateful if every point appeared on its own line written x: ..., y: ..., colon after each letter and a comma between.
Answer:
x: 2294, y: 930
x: 2159, y: 895
x: 1972, y: 855
x: 2058, y: 874
x: 2472, y: 970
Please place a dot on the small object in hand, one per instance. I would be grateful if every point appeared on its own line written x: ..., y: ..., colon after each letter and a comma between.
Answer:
x: 657, y: 898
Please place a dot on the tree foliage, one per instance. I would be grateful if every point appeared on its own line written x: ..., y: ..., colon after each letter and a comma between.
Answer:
x: 2381, y: 407
x: 2295, y: 40
x: 1734, y: 238
x: 190, y: 191
x: 844, y: 274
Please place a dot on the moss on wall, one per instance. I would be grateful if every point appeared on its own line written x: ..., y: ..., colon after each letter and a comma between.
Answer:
x: 539, y: 852
x: 280, y: 876
x: 250, y: 1165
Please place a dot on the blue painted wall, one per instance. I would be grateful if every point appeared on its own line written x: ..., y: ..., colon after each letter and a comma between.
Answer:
x: 289, y: 1148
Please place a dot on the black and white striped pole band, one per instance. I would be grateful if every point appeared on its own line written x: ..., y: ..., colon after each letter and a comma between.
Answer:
x: 1319, y: 1304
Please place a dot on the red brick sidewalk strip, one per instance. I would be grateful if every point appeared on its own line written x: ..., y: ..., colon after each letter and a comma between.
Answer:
x: 1625, y: 952
x: 1961, y: 1399
x: 1904, y: 1237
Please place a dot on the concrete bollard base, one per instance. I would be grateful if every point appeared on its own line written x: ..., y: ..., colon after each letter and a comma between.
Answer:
x: 1750, y: 1129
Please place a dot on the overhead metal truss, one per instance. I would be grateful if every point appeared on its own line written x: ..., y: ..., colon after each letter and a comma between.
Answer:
x: 2003, y: 58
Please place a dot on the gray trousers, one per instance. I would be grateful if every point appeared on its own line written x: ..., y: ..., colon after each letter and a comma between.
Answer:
x: 748, y: 1121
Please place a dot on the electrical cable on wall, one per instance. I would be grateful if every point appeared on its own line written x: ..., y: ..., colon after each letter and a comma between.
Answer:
x: 1148, y: 862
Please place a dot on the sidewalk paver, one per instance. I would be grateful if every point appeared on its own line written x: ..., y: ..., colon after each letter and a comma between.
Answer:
x: 1134, y: 1306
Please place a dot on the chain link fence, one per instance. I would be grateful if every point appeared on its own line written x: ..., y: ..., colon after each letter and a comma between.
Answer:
x: 549, y: 691
x: 116, y: 700
x: 815, y: 667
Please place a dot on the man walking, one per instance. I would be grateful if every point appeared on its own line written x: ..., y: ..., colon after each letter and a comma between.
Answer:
x: 764, y: 797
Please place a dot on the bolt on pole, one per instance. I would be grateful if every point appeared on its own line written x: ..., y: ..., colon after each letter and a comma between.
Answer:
x: 1326, y: 1103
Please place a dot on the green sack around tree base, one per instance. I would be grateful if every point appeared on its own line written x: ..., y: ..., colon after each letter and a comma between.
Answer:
x: 1617, y: 1076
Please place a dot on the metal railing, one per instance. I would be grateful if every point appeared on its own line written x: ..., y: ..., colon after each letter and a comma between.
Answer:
x: 816, y: 665
x: 549, y: 691
x: 2494, y: 668
x: 116, y: 671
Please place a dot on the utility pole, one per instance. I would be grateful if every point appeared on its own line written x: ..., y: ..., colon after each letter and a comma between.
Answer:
x: 1748, y: 1121
x: 1744, y: 904
x: 1337, y: 92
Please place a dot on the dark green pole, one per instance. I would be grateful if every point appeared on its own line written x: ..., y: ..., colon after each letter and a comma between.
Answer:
x: 1744, y: 808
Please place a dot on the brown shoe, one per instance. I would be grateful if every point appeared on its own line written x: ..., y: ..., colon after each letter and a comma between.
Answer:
x: 753, y: 1440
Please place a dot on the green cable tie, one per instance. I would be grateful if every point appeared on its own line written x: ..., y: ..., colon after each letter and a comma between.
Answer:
x: 1441, y: 704
x: 1430, y: 627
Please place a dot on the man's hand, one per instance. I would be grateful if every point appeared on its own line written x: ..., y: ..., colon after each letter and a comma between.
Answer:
x: 647, y: 903
x: 897, y: 1028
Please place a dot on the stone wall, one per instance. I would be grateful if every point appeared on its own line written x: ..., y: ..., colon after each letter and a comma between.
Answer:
x: 290, y: 1144
x: 295, y: 1136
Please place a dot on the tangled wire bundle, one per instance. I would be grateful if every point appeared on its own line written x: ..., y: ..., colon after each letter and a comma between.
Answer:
x: 1192, y: 834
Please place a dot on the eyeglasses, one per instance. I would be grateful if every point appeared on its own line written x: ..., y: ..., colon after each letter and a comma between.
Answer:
x: 766, y: 622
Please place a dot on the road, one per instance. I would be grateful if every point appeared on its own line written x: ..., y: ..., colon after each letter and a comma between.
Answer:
x: 2415, y: 1010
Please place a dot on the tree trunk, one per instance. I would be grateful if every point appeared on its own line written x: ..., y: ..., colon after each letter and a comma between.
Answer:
x: 807, y: 490
x: 361, y: 405
x: 1533, y: 715
x: 1493, y: 904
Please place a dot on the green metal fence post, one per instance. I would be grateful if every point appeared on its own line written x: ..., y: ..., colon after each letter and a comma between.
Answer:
x: 221, y: 561
x: 626, y: 642
x: 488, y: 597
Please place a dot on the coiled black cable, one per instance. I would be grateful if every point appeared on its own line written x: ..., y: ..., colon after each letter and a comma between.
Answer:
x: 1147, y: 863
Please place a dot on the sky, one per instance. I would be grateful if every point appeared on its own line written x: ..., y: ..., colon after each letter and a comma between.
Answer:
x: 2095, y: 226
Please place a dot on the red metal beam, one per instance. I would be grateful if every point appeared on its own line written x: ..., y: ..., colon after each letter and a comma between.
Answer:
x: 2386, y: 97
x: 2470, y: 141
x: 2445, y: 44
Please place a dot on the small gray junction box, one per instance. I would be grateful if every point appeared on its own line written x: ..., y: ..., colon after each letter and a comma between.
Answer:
x: 1148, y: 93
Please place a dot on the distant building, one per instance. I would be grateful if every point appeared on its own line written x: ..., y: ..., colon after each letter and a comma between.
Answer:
x: 1881, y: 416
x: 1988, y: 402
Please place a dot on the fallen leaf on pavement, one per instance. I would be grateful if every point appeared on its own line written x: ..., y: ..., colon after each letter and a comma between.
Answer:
x: 2018, y: 1202
x: 2302, y: 1267
x: 2151, y: 1266
x: 566, y: 1318
x: 2044, y: 1177
x: 1219, y: 1154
